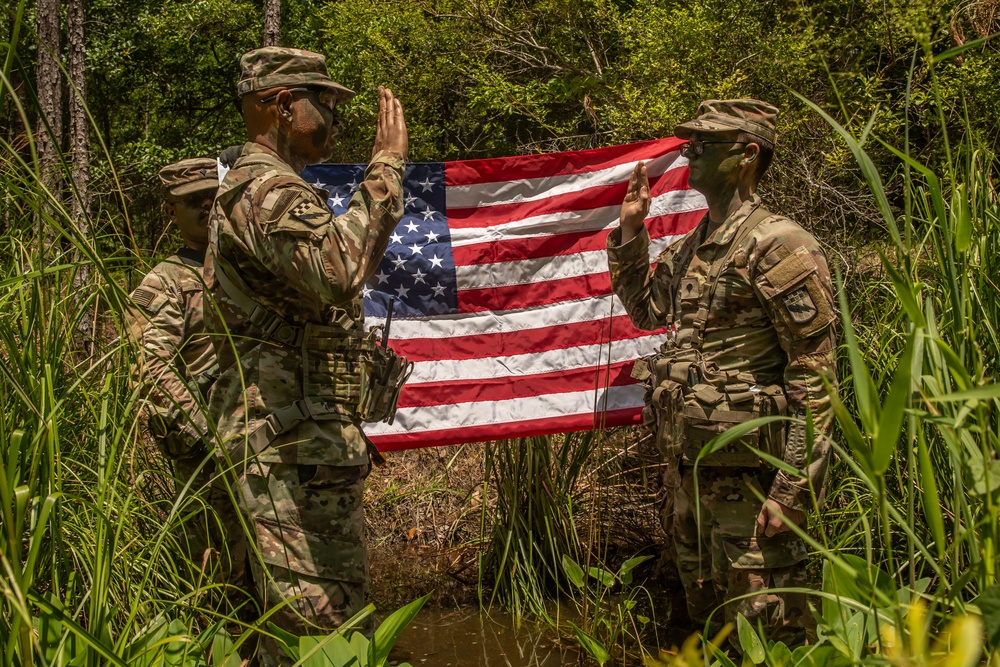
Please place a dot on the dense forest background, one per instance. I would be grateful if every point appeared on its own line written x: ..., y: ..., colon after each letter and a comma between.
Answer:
x: 483, y: 78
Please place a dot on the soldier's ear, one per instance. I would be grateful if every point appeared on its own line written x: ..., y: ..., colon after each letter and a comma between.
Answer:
x: 283, y: 103
x: 750, y: 153
x: 170, y: 208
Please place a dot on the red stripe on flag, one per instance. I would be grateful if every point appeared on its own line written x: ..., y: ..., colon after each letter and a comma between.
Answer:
x: 468, y: 172
x: 427, y: 394
x: 520, y: 429
x: 578, y: 200
x: 509, y: 343
x: 555, y: 245
x: 513, y: 297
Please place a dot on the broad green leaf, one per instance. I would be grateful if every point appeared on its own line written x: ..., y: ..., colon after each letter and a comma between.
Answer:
x: 749, y: 641
x: 625, y: 571
x: 593, y: 647
x: 778, y: 654
x: 288, y: 642
x: 223, y: 651
x: 573, y: 571
x: 962, y: 213
x: 606, y: 578
x: 392, y: 627
x: 330, y: 651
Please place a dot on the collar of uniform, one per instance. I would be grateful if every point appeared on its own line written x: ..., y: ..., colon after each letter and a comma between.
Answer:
x: 725, y: 232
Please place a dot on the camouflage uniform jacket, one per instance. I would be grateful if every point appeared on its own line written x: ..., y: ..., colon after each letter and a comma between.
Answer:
x: 178, y: 362
x: 771, y: 318
x: 279, y: 239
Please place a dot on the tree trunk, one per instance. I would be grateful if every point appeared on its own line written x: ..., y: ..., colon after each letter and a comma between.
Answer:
x: 80, y: 136
x: 272, y: 23
x: 49, y: 87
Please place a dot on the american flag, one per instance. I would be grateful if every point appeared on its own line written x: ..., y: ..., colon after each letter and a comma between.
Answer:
x: 502, y: 294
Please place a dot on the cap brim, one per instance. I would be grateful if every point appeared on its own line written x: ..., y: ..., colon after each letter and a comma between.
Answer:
x: 344, y: 93
x: 201, y: 185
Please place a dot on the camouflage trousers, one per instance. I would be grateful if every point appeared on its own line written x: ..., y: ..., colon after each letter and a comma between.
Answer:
x: 205, y: 510
x: 310, y: 561
x: 721, y: 560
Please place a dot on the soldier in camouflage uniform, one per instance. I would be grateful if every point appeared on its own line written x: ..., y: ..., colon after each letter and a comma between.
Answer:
x: 747, y: 299
x: 287, y: 276
x: 178, y: 360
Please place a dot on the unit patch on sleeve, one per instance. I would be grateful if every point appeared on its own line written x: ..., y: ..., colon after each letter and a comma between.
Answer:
x: 800, y: 306
x: 311, y: 214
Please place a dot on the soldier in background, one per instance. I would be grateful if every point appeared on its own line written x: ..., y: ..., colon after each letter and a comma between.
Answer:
x: 286, y: 276
x: 748, y: 301
x: 178, y: 360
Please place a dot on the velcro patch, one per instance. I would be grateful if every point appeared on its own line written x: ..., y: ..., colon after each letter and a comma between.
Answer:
x: 800, y: 305
x: 143, y: 297
x: 311, y: 214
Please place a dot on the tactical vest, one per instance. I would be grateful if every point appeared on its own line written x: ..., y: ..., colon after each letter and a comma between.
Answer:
x: 689, y: 400
x: 335, y: 357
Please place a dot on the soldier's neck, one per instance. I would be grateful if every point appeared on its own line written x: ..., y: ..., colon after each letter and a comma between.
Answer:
x: 722, y: 205
x: 270, y: 142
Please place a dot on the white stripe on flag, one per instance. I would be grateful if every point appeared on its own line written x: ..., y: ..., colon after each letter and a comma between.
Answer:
x: 458, y: 415
x: 528, y: 271
x: 581, y: 356
x: 595, y: 220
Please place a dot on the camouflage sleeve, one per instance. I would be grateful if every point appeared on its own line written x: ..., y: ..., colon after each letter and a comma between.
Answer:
x: 639, y: 287
x: 326, y: 258
x: 793, y: 280
x: 175, y: 416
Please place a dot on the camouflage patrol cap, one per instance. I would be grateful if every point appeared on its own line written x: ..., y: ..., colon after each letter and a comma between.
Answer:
x: 278, y: 66
x: 746, y: 115
x: 192, y: 175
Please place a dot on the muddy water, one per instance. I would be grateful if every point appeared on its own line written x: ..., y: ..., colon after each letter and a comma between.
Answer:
x: 466, y: 638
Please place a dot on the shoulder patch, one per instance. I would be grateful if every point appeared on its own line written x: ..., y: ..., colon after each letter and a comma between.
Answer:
x: 143, y: 297
x: 800, y: 305
x: 311, y: 214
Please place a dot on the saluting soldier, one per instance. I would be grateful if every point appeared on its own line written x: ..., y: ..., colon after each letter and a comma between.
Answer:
x: 178, y: 360
x: 747, y: 299
x: 287, y: 276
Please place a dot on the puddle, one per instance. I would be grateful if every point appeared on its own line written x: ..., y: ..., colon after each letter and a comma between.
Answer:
x: 468, y: 638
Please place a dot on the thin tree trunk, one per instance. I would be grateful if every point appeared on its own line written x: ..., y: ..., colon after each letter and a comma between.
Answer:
x: 49, y: 88
x: 80, y: 136
x: 272, y: 23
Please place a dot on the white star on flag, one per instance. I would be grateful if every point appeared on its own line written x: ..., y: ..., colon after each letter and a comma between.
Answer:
x: 337, y: 200
x: 411, y: 227
x: 427, y: 184
x: 409, y: 200
x: 415, y: 249
x: 366, y: 291
x: 399, y: 262
x: 382, y: 277
x: 439, y: 290
x: 428, y: 213
x: 436, y: 262
x: 319, y: 185
x: 396, y: 238
x: 432, y: 237
x: 418, y: 276
x: 402, y: 291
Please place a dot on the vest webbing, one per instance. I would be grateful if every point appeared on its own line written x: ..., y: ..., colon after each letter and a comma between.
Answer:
x: 757, y: 216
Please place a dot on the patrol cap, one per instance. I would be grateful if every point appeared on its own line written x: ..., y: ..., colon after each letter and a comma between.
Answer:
x: 192, y: 175
x: 279, y: 66
x: 746, y: 115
